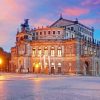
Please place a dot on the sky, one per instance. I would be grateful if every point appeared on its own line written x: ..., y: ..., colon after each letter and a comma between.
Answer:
x: 43, y: 13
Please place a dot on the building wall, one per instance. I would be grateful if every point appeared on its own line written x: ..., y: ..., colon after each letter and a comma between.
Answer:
x: 66, y: 47
x: 67, y: 59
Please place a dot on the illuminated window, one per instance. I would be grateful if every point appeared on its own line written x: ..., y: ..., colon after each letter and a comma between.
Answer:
x: 59, y: 51
x: 59, y: 64
x: 46, y: 63
x: 46, y: 51
x: 34, y: 52
x: 52, y: 64
x: 39, y: 52
x: 95, y: 52
x: 52, y: 51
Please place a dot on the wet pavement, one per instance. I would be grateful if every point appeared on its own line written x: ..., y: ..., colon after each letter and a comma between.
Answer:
x: 45, y: 87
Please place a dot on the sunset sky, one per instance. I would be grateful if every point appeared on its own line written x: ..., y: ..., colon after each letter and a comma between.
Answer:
x: 44, y: 12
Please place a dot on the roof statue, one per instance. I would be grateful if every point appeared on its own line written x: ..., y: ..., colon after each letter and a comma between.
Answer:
x: 25, y: 26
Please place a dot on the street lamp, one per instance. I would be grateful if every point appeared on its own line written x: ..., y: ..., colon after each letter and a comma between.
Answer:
x: 1, y: 61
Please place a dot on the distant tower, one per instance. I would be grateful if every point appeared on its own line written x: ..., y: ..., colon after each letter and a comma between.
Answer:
x: 25, y: 34
x: 23, y: 47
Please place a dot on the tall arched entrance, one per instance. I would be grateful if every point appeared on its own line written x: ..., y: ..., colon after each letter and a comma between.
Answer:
x: 52, y: 68
x: 36, y: 68
x: 59, y: 68
x: 87, y: 67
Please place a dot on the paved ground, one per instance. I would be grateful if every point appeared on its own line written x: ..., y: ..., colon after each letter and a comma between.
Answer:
x: 44, y: 87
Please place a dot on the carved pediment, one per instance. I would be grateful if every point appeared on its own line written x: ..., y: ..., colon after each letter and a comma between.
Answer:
x: 62, y: 22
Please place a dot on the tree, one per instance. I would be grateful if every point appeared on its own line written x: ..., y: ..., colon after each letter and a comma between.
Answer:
x: 1, y: 49
x: 6, y: 58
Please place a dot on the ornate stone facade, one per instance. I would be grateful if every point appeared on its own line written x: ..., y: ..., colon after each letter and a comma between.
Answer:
x: 65, y: 47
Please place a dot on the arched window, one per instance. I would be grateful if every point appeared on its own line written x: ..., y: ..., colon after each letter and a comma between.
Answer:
x: 59, y: 51
x: 39, y: 52
x: 52, y: 51
x: 33, y: 52
x: 59, y: 64
x: 85, y: 49
x: 46, y: 51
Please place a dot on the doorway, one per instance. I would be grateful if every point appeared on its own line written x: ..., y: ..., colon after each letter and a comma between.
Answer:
x: 87, y: 67
x: 59, y: 70
x: 52, y: 70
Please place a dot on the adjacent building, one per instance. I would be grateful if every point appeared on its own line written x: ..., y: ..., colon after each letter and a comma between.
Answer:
x: 65, y: 47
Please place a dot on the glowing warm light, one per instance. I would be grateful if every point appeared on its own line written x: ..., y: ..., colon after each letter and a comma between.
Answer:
x: 1, y: 61
x: 37, y: 65
x: 2, y: 77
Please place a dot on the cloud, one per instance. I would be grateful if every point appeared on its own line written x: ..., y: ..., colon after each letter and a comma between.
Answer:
x: 75, y: 11
x: 90, y: 22
x: 43, y: 22
x: 12, y: 12
x: 90, y: 2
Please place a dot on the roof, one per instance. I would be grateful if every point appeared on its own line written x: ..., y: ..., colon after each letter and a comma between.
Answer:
x: 49, y: 28
x: 64, y: 22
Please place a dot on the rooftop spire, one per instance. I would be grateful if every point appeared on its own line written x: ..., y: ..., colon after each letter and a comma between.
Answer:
x: 61, y: 16
x: 76, y: 21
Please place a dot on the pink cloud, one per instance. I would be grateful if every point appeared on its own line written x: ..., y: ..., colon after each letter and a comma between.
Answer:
x: 75, y: 11
x: 12, y: 13
x: 4, y: 38
x: 90, y: 21
x: 10, y: 10
x: 42, y: 22
x: 90, y: 2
